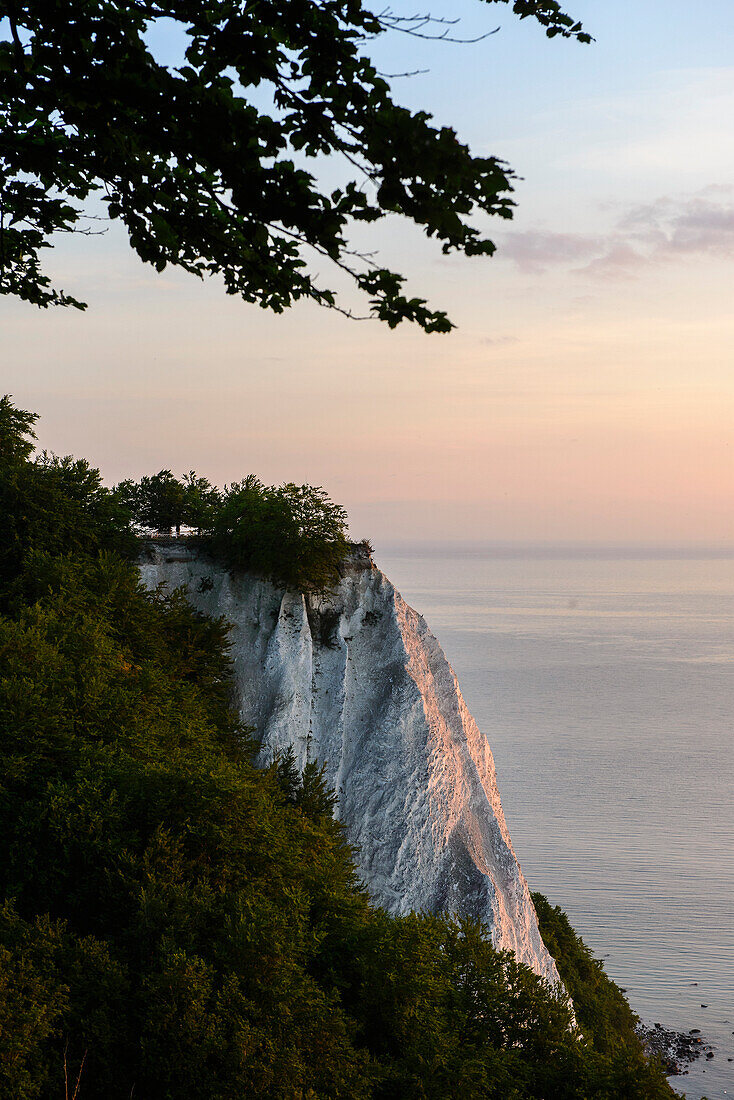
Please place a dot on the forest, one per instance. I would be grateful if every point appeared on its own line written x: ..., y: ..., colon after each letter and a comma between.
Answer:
x: 178, y: 922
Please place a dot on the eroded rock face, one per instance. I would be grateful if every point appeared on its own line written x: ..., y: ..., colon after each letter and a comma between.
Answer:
x: 358, y: 682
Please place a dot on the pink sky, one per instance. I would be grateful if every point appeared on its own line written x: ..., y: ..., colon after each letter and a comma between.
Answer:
x: 588, y: 394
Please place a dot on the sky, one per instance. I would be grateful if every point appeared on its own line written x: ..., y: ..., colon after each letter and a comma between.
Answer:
x: 587, y: 395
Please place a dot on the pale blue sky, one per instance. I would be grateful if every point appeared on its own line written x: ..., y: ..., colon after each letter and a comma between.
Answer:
x: 588, y: 394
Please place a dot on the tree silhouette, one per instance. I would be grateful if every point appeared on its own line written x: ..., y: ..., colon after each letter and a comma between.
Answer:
x: 206, y: 162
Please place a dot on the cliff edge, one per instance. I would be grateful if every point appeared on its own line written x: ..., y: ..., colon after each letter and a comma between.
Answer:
x: 357, y: 681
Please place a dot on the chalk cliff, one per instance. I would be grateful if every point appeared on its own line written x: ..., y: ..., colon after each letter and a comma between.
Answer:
x: 358, y: 682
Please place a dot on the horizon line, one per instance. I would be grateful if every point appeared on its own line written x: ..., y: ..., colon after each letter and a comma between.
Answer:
x: 525, y: 548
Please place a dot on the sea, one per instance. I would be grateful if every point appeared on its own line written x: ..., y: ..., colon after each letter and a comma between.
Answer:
x: 604, y: 682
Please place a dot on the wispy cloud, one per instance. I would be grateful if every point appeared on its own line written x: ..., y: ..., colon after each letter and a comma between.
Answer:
x: 669, y: 229
x: 499, y: 341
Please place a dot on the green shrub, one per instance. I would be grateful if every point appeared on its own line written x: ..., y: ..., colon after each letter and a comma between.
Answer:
x: 604, y: 1016
x: 292, y: 535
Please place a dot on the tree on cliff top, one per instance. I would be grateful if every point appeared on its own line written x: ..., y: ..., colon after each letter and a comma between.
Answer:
x: 291, y: 534
x: 206, y: 178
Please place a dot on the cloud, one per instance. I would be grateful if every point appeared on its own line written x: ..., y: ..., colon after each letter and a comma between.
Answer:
x: 536, y: 250
x: 618, y: 260
x: 667, y: 230
x: 499, y: 341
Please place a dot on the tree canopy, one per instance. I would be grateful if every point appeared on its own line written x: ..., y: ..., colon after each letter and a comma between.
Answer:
x: 205, y: 162
x: 292, y: 534
x: 16, y: 432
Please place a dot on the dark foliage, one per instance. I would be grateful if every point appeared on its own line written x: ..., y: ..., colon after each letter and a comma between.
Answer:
x: 16, y: 432
x: 604, y: 1016
x: 291, y: 534
x: 161, y: 502
x: 204, y: 162
x: 56, y: 505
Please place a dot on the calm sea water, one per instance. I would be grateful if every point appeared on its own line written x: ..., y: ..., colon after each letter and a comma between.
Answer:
x: 605, y: 685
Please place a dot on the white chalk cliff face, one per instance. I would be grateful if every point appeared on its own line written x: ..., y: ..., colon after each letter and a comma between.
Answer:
x: 357, y: 682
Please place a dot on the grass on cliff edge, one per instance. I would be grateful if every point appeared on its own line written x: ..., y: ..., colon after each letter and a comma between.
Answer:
x: 174, y: 921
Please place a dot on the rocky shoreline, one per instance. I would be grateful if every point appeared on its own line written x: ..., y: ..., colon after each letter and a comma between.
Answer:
x: 675, y: 1049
